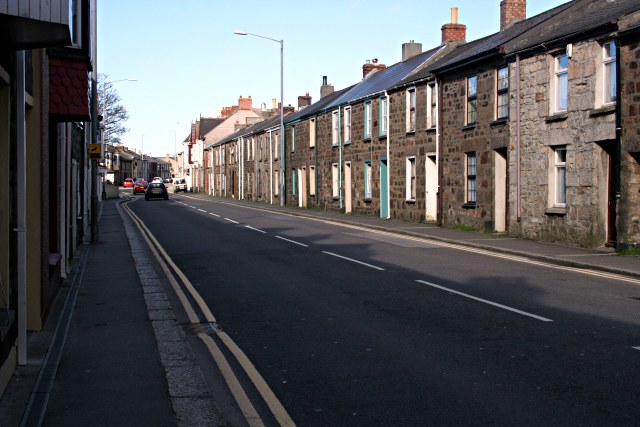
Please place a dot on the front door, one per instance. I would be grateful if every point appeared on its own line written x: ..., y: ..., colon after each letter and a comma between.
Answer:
x: 500, y: 191
x: 431, y: 188
x: 384, y: 190
x: 347, y: 187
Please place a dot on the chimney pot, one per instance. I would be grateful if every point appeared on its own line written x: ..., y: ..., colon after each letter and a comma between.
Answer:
x: 454, y: 32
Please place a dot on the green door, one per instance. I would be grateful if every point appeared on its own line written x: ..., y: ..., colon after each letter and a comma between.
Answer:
x: 384, y: 190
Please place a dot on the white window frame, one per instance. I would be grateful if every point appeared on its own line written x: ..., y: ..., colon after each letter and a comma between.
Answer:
x: 368, y: 180
x: 502, y: 93
x: 346, y: 125
x: 560, y: 74
x: 293, y: 139
x: 335, y: 181
x: 559, y: 187
x: 470, y: 187
x: 609, y: 70
x: 335, y: 122
x: 410, y: 178
x: 276, y: 145
x: 312, y: 133
x: 432, y: 106
x: 384, y: 125
x: 410, y: 97
x: 471, y: 110
x: 367, y: 120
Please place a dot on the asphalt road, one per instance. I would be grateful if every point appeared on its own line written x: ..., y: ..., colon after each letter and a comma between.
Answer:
x: 355, y: 327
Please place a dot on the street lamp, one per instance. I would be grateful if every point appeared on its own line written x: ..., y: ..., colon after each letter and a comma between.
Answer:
x: 244, y: 33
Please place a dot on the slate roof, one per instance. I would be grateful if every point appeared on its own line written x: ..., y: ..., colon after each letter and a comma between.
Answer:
x: 317, y: 106
x: 207, y: 124
x: 581, y: 16
x: 383, y: 79
x: 486, y: 46
x: 124, y: 155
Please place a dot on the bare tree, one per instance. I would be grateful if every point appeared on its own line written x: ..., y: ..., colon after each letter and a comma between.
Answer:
x: 114, y: 114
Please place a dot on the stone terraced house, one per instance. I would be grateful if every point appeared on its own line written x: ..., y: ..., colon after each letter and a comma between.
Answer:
x: 532, y: 131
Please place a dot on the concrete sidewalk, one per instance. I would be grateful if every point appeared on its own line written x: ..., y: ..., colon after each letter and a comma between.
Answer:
x: 112, y: 351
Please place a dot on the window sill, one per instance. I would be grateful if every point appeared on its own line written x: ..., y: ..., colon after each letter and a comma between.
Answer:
x: 367, y: 139
x: 556, y: 211
x: 410, y: 201
x: 471, y: 205
x: 367, y: 199
x: 433, y: 129
x: 558, y: 117
x: 411, y: 132
x: 336, y: 198
x: 471, y: 126
x: 499, y: 122
x: 603, y: 111
x: 382, y: 136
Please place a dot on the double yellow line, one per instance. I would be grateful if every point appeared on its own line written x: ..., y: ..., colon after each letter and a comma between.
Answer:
x: 241, y: 398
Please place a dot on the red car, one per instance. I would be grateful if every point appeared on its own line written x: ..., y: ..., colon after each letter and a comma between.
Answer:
x: 140, y: 186
x: 128, y: 182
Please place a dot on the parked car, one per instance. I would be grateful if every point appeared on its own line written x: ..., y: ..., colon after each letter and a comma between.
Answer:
x: 128, y: 182
x: 168, y: 181
x: 140, y: 186
x: 179, y: 184
x: 156, y: 190
x: 156, y: 179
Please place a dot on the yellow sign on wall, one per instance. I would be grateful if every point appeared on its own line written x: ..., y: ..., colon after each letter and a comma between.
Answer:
x: 94, y: 151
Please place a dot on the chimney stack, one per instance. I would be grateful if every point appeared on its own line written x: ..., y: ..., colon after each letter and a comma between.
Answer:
x: 325, y: 89
x: 411, y: 49
x: 304, y: 101
x: 511, y: 12
x: 454, y: 32
x: 371, y: 67
x: 244, y: 103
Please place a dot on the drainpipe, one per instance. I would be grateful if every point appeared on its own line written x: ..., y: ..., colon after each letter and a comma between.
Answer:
x: 340, y: 156
x: 388, y: 156
x: 437, y: 119
x: 315, y: 170
x: 21, y: 204
x: 518, y: 142
x: 241, y: 168
x: 617, y: 176
x: 62, y: 191
x: 270, y: 168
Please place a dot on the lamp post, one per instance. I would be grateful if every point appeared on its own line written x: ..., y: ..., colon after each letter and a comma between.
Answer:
x: 282, y: 147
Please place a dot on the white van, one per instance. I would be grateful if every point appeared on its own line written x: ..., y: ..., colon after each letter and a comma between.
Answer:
x: 179, y: 184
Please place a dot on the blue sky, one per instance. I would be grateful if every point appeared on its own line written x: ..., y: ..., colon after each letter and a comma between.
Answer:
x: 189, y: 63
